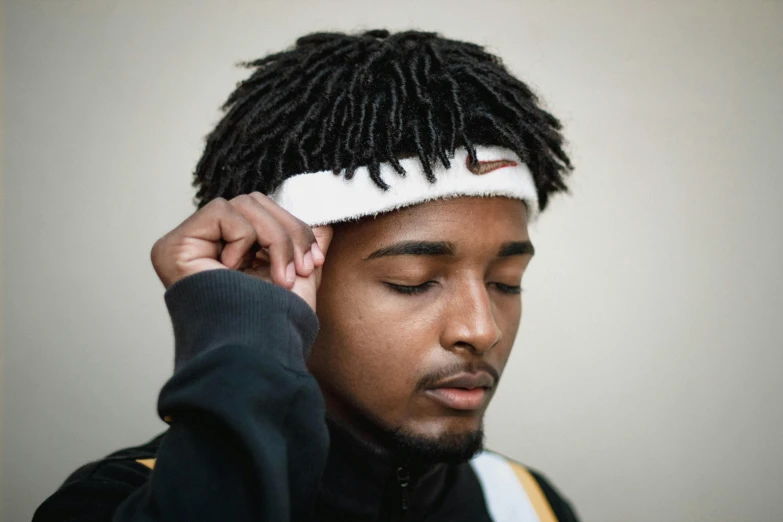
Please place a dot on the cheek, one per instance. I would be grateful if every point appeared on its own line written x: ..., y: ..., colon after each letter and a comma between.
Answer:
x: 370, y: 347
x: 509, y: 321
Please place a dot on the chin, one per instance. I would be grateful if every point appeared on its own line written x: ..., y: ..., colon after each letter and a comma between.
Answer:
x: 452, y: 446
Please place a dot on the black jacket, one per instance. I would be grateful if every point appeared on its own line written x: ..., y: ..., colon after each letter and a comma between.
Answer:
x: 248, y: 440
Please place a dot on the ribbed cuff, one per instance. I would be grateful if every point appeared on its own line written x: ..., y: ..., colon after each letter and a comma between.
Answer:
x: 225, y: 307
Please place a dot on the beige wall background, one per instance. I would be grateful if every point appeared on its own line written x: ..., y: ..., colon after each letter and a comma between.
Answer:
x: 646, y: 378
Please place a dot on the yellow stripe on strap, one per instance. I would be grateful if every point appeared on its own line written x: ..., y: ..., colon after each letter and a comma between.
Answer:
x: 150, y: 463
x: 534, y: 493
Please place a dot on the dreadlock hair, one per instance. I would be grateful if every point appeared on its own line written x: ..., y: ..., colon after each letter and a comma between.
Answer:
x: 338, y: 102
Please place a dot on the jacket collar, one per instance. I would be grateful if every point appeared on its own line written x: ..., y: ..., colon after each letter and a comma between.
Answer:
x: 367, y: 481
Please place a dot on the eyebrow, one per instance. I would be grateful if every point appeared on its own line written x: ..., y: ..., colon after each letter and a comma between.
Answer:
x: 415, y: 248
x: 445, y: 248
x: 516, y: 248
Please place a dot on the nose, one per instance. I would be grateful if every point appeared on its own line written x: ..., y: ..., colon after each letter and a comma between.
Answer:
x: 470, y: 320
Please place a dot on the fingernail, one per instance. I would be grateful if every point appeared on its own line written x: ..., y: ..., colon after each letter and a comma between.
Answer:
x: 318, y: 256
x: 308, y: 261
x: 290, y: 272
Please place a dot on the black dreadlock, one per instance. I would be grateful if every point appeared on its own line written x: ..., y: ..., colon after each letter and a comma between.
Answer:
x: 338, y: 102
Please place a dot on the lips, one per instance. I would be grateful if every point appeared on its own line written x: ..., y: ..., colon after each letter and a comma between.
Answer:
x: 467, y: 381
x: 464, y: 391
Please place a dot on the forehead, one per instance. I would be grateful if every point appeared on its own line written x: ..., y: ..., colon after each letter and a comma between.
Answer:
x: 490, y: 220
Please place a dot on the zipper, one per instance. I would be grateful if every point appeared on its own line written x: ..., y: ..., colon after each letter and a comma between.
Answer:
x: 404, y: 481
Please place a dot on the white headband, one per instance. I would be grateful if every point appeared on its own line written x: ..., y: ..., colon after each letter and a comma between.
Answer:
x: 320, y: 198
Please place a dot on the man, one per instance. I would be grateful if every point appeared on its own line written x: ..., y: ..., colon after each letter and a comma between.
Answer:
x: 346, y: 296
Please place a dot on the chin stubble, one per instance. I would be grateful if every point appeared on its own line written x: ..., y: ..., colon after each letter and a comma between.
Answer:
x: 451, y: 448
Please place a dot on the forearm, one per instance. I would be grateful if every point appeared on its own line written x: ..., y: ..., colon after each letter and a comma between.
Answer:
x: 238, y: 420
x: 241, y: 405
x: 247, y: 437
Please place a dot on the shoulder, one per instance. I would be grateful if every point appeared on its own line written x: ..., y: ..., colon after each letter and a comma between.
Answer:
x: 502, y: 477
x: 94, y: 491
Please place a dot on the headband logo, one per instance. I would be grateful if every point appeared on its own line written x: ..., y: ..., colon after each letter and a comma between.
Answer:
x: 485, y: 167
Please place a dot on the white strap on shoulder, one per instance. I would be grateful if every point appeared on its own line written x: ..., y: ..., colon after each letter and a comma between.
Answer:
x: 506, y: 499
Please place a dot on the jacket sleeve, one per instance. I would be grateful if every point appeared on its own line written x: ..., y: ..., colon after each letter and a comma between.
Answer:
x: 247, y: 438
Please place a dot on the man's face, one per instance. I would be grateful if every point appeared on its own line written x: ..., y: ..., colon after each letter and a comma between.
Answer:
x: 412, y: 300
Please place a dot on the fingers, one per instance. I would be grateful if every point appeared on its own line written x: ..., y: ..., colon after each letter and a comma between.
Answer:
x: 272, y: 235
x: 194, y: 246
x: 244, y: 233
x: 301, y: 235
x: 288, y: 240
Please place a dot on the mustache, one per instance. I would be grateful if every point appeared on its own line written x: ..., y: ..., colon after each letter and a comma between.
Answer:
x: 433, y: 378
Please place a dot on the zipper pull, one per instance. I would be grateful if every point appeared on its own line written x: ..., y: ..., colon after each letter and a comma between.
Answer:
x: 403, y: 479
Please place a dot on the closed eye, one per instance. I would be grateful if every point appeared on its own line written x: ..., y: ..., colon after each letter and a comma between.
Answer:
x: 508, y: 289
x: 411, y: 290
x: 419, y: 289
